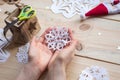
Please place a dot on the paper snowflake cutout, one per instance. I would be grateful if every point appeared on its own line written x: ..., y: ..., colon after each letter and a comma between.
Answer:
x: 94, y: 73
x: 4, y: 54
x: 57, y: 38
x: 70, y: 8
x: 22, y: 54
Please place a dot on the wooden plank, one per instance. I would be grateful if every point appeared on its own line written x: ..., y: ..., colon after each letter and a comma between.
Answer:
x: 11, y: 69
x: 38, y: 4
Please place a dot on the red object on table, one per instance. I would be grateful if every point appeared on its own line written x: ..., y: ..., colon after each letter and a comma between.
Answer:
x: 115, y: 2
x: 101, y: 9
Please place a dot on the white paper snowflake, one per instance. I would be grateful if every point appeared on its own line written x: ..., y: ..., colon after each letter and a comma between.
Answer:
x: 57, y: 38
x: 22, y: 54
x: 4, y: 54
x: 94, y: 73
x: 70, y: 8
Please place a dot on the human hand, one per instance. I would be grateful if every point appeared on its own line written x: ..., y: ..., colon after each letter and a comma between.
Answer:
x: 39, y: 52
x: 64, y: 55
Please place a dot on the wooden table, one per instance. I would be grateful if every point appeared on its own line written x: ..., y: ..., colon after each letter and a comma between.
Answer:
x: 100, y: 41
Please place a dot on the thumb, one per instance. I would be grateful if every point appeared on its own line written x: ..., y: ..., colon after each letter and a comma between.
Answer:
x: 72, y: 46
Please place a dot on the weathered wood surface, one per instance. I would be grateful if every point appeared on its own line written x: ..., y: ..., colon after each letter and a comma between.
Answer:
x: 100, y: 38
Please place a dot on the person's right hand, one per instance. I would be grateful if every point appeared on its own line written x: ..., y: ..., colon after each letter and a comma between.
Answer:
x: 39, y: 53
x: 65, y: 55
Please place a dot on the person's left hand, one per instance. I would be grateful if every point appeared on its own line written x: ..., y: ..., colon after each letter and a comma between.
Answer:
x: 39, y: 52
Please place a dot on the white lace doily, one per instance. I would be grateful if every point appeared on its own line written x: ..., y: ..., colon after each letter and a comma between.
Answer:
x: 94, y: 73
x: 70, y: 8
x: 57, y: 38
x: 4, y: 54
x: 22, y: 54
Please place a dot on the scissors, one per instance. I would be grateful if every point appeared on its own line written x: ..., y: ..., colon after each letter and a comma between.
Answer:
x: 26, y: 13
